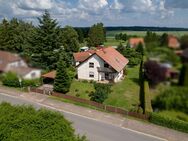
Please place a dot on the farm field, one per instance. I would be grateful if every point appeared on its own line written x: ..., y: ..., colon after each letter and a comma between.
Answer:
x: 142, y: 33
x: 113, y: 42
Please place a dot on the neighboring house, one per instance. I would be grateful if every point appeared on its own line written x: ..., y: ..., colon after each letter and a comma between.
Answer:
x: 10, y: 62
x: 26, y: 72
x: 100, y: 65
x: 173, y: 42
x: 134, y: 42
x: 170, y: 72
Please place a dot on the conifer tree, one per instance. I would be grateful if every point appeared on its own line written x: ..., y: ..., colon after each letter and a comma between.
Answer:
x: 62, y: 80
x: 46, y: 43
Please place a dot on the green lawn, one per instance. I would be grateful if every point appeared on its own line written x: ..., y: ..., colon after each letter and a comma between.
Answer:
x: 175, y: 114
x: 125, y: 94
x: 81, y: 89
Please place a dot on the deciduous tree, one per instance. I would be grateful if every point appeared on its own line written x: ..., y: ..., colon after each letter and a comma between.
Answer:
x: 96, y: 35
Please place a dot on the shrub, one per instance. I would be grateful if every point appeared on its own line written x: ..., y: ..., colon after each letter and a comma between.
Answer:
x: 168, y: 122
x: 133, y: 56
x: 25, y: 123
x: 183, y: 79
x: 10, y: 79
x: 76, y: 90
x: 77, y: 95
x: 175, y: 98
x: 32, y: 83
x: 154, y: 72
x: 101, y: 92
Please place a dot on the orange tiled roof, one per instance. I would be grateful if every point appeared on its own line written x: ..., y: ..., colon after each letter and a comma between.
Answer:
x: 113, y: 58
x: 51, y: 75
x: 82, y: 56
x: 135, y: 41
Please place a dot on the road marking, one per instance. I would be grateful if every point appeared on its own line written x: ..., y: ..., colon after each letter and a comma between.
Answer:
x: 50, y: 107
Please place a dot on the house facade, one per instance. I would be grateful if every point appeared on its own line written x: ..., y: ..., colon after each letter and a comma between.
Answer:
x: 10, y: 62
x: 104, y: 64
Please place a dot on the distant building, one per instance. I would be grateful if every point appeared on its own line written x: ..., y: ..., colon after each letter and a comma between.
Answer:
x: 173, y: 42
x: 10, y: 62
x: 84, y: 49
x: 104, y: 64
x: 134, y: 42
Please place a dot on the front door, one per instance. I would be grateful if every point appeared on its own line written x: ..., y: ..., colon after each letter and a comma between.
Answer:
x: 106, y: 76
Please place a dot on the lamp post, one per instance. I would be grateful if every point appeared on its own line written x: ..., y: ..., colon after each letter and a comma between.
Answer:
x: 20, y: 81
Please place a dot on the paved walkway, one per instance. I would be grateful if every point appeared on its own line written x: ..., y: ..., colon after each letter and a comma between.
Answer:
x: 115, y: 119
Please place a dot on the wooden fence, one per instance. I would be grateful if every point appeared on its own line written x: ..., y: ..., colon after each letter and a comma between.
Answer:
x: 92, y: 103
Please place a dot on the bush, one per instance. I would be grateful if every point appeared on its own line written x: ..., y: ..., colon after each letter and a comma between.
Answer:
x: 168, y: 122
x: 25, y: 123
x: 32, y: 83
x: 10, y: 79
x: 175, y: 98
x: 154, y: 73
x: 183, y: 78
x: 101, y: 92
x: 131, y: 54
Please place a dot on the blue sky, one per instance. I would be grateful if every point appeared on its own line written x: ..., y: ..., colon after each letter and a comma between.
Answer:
x: 166, y: 13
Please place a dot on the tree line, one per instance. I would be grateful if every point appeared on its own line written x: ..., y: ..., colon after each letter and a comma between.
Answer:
x: 47, y: 45
x: 42, y: 45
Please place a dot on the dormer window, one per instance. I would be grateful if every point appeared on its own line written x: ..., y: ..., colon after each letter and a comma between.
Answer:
x: 91, y: 65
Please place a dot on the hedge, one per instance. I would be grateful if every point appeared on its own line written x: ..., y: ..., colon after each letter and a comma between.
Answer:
x: 173, y: 98
x: 147, y: 98
x: 169, y: 122
x: 186, y: 75
x: 11, y: 79
x: 24, y: 123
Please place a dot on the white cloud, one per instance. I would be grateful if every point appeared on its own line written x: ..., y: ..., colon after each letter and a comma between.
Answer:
x: 116, y: 5
x: 34, y: 4
x: 152, y: 7
x: 92, y: 6
x: 87, y: 12
x: 176, y: 4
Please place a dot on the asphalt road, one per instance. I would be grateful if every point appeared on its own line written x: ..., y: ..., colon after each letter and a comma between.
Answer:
x: 93, y: 129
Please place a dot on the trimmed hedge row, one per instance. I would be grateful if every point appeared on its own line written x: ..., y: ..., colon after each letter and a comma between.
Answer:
x: 11, y: 79
x: 168, y: 122
x: 147, y: 98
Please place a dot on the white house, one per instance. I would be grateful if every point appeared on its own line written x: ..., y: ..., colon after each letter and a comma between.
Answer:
x: 26, y: 72
x: 10, y: 62
x: 104, y: 64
